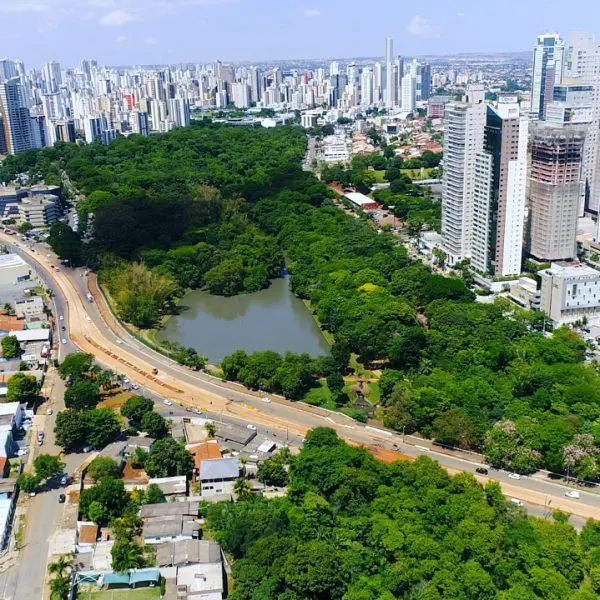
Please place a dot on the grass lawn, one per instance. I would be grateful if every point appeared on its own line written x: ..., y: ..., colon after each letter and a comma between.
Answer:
x: 417, y: 173
x: 141, y: 594
x: 112, y: 400
x: 320, y: 396
x: 374, y: 393
x: 379, y: 176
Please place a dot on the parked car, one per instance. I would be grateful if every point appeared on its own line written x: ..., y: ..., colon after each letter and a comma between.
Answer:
x: 481, y: 470
x: 64, y: 480
x: 23, y: 452
x: 250, y: 426
x: 516, y: 501
x: 61, y: 498
x: 49, y: 411
x: 87, y: 449
x: 573, y: 494
x: 514, y: 476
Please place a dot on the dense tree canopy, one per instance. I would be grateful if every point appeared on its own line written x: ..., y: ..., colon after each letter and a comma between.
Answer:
x: 352, y: 528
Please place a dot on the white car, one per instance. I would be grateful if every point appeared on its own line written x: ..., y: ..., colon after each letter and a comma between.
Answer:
x: 167, y: 402
x: 49, y: 411
x: 88, y: 319
x: 250, y: 426
x: 119, y: 342
x: 61, y: 318
x: 135, y: 386
x: 64, y: 341
x: 514, y: 476
x: 573, y: 494
x: 516, y: 501
x: 265, y: 399
x: 23, y: 452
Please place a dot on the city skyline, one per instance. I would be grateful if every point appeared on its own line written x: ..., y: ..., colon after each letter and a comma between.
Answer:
x: 119, y: 32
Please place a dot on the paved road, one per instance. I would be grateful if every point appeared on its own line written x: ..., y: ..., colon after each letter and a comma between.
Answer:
x: 90, y: 331
x: 25, y: 581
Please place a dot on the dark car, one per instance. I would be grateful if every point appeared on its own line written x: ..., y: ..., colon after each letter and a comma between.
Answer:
x: 481, y: 470
x: 61, y: 498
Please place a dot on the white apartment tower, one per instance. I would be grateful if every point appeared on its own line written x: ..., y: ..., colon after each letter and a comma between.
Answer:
x: 408, y: 99
x: 463, y: 140
x: 548, y: 60
x: 500, y: 189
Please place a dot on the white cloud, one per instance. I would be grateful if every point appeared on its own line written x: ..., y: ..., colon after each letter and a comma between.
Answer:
x: 460, y: 14
x: 116, y: 18
x: 122, y: 38
x: 150, y: 41
x: 422, y: 28
x: 312, y: 12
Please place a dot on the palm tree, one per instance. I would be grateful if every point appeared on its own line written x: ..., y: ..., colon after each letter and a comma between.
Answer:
x: 59, y: 567
x: 211, y: 429
x: 104, y: 379
x: 241, y: 488
x: 60, y: 587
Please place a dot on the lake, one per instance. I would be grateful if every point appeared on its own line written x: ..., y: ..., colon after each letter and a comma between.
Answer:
x: 272, y: 319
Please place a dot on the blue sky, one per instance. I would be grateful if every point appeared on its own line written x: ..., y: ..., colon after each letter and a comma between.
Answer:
x: 160, y: 31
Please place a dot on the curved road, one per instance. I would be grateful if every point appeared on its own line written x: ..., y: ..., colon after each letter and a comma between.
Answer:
x: 116, y: 349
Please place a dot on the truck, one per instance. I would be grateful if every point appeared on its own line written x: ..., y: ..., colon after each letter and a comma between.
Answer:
x: 89, y: 297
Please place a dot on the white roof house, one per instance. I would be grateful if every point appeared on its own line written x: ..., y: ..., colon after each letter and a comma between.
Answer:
x: 218, y: 469
x: 32, y: 335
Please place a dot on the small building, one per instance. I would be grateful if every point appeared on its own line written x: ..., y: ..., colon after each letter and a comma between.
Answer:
x: 12, y: 269
x: 8, y: 501
x: 138, y: 441
x: 185, y: 552
x: 171, y: 487
x: 361, y: 201
x: 169, y: 522
x: 87, y: 536
x: 570, y: 292
x: 217, y: 476
x: 200, y: 581
x: 202, y: 451
x: 29, y: 307
x: 40, y: 210
x: 33, y: 335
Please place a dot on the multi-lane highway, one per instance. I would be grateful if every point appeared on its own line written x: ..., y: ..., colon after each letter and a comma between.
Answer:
x: 92, y: 328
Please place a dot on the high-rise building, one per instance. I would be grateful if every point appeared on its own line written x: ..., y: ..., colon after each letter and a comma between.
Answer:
x: 240, y: 94
x: 424, y: 86
x: 554, y: 182
x: 52, y: 77
x: 583, y: 63
x: 389, y: 50
x: 548, y: 59
x: 499, y: 191
x: 16, y: 121
x: 463, y: 140
x: 408, y: 96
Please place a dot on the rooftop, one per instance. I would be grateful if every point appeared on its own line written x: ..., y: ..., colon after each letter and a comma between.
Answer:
x: 88, y: 533
x: 171, y: 485
x: 568, y: 270
x: 203, y: 451
x: 183, y: 552
x: 11, y: 260
x: 169, y: 509
x: 219, y: 468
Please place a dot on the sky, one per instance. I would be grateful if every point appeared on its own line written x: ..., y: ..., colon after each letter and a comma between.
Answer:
x: 124, y: 32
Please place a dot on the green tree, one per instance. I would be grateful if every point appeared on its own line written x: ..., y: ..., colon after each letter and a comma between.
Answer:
x: 28, y: 482
x: 71, y: 429
x: 211, y: 429
x: 75, y: 365
x: 168, y: 458
x: 154, y: 495
x: 65, y: 243
x: 103, y: 427
x: 96, y: 512
x: 102, y: 467
x: 241, y: 489
x: 127, y: 555
x: 136, y: 407
x: 22, y: 388
x: 10, y: 347
x: 82, y: 395
x: 48, y: 466
x: 453, y: 428
x: 110, y: 494
x: 273, y: 472
x: 154, y: 425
